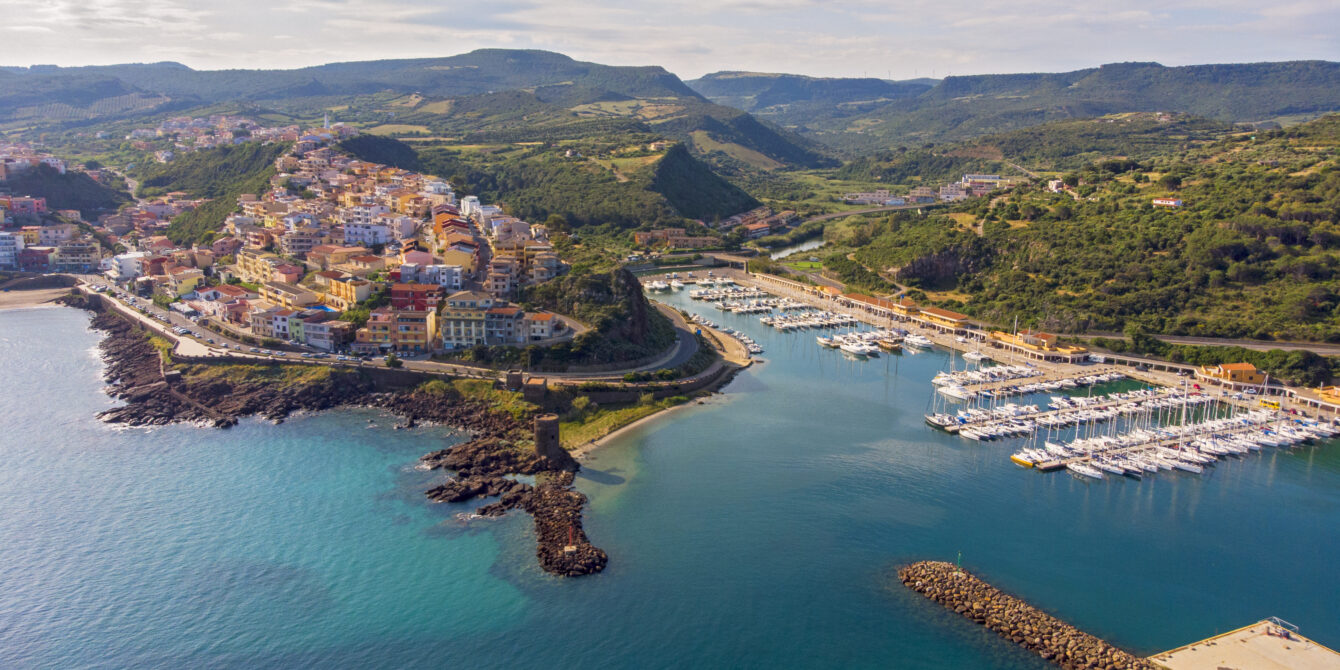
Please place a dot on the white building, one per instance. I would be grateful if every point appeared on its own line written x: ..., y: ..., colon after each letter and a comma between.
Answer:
x: 469, y: 205
x: 448, y: 276
x: 10, y: 245
x: 367, y: 234
x: 439, y: 188
x: 125, y: 267
x: 365, y: 214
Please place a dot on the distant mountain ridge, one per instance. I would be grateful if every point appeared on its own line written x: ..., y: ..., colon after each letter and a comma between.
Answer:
x: 472, y: 73
x: 753, y: 91
x: 961, y: 107
x: 491, y: 94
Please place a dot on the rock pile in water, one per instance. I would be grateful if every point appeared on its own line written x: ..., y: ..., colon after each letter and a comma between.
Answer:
x: 1016, y: 620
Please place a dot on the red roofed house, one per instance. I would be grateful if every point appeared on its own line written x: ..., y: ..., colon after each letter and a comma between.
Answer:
x: 415, y: 297
x: 288, y: 273
x: 504, y: 325
x: 541, y: 325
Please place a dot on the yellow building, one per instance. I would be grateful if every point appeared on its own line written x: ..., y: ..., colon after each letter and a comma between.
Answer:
x: 32, y: 235
x: 943, y: 319
x: 345, y: 293
x: 184, y: 280
x: 1039, y: 345
x: 1232, y: 373
x: 393, y: 330
x: 256, y: 266
x: 461, y: 258
x: 286, y: 294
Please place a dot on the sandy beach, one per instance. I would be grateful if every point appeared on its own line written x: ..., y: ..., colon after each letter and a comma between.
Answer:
x: 586, y: 449
x: 17, y: 299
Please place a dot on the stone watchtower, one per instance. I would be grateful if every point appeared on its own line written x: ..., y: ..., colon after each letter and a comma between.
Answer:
x: 513, y: 380
x: 546, y: 437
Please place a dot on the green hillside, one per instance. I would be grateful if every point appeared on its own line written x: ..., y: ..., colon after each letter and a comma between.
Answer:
x: 1057, y: 145
x: 72, y: 190
x: 1254, y: 253
x: 612, y: 182
x: 220, y: 174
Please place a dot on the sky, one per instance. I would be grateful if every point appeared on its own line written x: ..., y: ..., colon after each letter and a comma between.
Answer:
x: 896, y: 39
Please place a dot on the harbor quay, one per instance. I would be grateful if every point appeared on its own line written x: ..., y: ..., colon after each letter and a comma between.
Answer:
x: 1269, y: 644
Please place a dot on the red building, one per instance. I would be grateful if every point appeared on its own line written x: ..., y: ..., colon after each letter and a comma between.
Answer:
x: 415, y: 297
x: 35, y: 259
x: 24, y: 205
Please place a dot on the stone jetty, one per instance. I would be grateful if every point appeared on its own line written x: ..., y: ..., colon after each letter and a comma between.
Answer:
x: 1016, y: 620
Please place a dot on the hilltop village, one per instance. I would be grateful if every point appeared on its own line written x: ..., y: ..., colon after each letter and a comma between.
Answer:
x: 338, y: 254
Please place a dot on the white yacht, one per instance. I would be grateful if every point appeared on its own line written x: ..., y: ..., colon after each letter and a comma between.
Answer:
x: 919, y: 341
x: 956, y: 391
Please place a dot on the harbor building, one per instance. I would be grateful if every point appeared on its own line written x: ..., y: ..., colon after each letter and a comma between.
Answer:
x: 944, y: 320
x: 1233, y: 375
x: 1040, y: 346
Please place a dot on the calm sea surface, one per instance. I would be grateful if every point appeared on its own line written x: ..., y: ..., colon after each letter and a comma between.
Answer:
x: 759, y: 530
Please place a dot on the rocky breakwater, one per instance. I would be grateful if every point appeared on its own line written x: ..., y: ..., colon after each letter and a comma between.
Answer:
x: 1015, y: 620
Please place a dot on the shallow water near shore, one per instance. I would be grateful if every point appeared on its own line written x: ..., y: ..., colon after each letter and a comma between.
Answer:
x: 758, y: 530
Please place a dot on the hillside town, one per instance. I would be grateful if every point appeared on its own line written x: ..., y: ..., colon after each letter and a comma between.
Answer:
x: 185, y: 134
x: 337, y: 255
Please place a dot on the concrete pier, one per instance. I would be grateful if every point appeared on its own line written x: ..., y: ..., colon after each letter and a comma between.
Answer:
x: 1270, y: 644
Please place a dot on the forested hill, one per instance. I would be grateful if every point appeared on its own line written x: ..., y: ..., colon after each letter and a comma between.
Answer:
x: 966, y: 106
x: 72, y: 190
x: 1254, y: 252
x: 220, y: 174
x: 612, y: 183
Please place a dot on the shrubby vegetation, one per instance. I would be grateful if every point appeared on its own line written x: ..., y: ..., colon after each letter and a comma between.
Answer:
x: 72, y: 190
x: 541, y: 181
x: 1255, y: 253
x: 220, y: 174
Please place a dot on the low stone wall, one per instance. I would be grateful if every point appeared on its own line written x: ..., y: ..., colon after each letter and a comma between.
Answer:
x: 1016, y: 620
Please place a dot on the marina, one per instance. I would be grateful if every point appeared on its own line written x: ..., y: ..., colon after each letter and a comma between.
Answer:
x: 1144, y: 433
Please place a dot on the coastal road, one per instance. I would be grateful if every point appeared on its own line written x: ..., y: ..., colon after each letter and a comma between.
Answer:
x: 162, y: 321
x: 686, y: 345
x: 1320, y: 348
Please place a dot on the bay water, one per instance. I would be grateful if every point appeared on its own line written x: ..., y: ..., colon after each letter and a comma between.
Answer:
x: 759, y: 529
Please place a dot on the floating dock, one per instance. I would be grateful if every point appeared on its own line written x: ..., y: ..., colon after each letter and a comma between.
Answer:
x: 1070, y: 415
x: 1164, y: 442
x: 1271, y: 644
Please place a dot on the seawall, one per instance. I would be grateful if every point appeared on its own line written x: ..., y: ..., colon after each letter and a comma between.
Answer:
x: 1016, y: 620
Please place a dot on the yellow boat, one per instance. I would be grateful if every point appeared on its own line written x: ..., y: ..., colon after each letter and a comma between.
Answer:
x: 889, y: 345
x: 1021, y: 461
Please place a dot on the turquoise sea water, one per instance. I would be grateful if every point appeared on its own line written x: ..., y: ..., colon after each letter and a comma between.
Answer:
x: 757, y: 530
